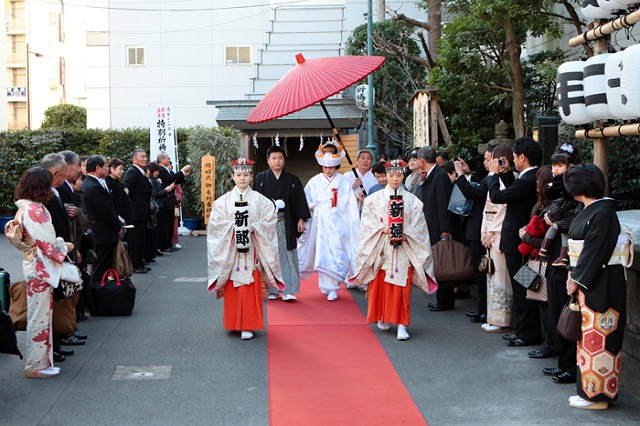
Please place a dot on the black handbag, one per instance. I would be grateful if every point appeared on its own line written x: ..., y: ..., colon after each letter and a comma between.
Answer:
x: 570, y: 320
x: 528, y: 278
x: 112, y: 296
x: 485, y: 265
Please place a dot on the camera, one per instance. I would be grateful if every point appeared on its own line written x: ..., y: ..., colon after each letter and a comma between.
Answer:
x: 501, y: 162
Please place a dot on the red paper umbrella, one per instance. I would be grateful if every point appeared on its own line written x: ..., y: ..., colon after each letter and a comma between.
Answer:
x: 312, y: 81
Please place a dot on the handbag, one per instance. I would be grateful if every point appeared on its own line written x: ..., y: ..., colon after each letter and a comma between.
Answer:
x: 451, y: 261
x: 70, y: 281
x: 112, y: 296
x: 70, y: 272
x: 570, y: 320
x: 18, y: 306
x: 122, y: 262
x: 485, y: 265
x: 63, y: 317
x: 528, y: 278
x: 542, y: 294
x: 458, y: 204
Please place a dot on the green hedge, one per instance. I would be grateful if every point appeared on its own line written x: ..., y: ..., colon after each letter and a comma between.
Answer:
x: 20, y: 150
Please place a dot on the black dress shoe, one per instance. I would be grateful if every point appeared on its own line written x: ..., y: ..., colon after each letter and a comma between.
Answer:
x: 80, y: 336
x: 168, y: 250
x: 147, y: 268
x: 149, y: 261
x: 65, y: 351
x: 159, y: 253
x: 81, y: 317
x: 473, y: 314
x: 509, y: 337
x: 565, y: 378
x: 71, y: 341
x: 58, y: 357
x: 140, y: 271
x: 517, y: 342
x: 545, y: 352
x: 552, y: 371
x: 480, y: 319
x: 438, y: 308
x: 432, y: 304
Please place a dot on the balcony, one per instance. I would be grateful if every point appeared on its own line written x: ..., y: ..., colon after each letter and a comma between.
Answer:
x: 16, y: 26
x: 16, y: 60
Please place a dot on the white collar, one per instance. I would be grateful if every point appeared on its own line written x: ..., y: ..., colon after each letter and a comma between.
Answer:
x: 243, y: 194
x: 526, y: 170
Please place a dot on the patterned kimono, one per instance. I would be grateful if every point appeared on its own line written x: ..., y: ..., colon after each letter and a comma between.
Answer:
x: 41, y: 266
x: 328, y: 243
x: 391, y: 270
x: 238, y: 276
x: 603, y: 301
x: 499, y: 291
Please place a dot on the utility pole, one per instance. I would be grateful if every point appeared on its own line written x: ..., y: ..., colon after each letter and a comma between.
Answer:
x: 371, y: 145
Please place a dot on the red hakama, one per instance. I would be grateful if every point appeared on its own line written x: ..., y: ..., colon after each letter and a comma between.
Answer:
x: 243, y: 305
x: 389, y: 303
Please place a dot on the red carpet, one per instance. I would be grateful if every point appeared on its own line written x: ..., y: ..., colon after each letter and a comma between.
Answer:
x: 326, y: 366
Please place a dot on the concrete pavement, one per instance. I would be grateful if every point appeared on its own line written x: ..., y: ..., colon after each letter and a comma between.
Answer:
x: 456, y: 373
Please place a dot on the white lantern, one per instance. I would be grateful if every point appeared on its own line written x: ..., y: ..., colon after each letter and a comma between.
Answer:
x: 630, y: 81
x: 595, y: 87
x: 616, y: 5
x: 595, y: 9
x: 614, y: 89
x: 362, y: 96
x: 570, y: 93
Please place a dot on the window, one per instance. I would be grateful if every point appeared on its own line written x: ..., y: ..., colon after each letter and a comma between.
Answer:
x: 237, y: 55
x: 135, y: 56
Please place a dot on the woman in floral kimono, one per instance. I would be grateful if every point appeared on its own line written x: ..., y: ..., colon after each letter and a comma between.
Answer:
x: 600, y: 280
x: 499, y: 291
x: 393, y: 252
x: 328, y: 243
x: 42, y: 267
x: 242, y: 249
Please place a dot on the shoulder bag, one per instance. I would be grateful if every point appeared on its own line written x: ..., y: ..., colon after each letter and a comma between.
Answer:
x: 451, y: 261
x: 528, y: 278
x: 458, y: 204
x: 541, y: 295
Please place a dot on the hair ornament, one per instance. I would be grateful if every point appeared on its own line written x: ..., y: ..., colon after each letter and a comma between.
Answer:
x: 567, y: 148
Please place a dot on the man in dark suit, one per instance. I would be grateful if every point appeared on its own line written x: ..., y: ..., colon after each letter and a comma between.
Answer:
x: 140, y: 196
x: 166, y: 215
x: 101, y: 210
x: 57, y: 165
x: 519, y: 196
x: 473, y: 226
x: 435, y: 194
x: 79, y: 221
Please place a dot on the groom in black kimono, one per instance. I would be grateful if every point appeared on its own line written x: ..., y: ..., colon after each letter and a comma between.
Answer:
x: 287, y: 193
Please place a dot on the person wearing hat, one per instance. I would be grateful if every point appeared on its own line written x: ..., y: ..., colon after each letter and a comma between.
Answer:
x: 328, y: 243
x: 242, y: 249
x: 394, y: 252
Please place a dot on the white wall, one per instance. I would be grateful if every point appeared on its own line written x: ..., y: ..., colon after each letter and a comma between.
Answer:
x: 184, y: 55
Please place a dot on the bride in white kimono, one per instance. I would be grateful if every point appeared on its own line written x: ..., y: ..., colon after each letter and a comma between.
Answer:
x: 329, y: 241
x: 242, y: 250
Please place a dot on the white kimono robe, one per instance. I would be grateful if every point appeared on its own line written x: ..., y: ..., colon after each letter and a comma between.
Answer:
x: 224, y: 261
x: 375, y: 253
x: 328, y: 243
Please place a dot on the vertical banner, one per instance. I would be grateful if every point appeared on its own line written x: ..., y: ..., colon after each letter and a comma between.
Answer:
x: 421, y: 119
x: 162, y: 133
x: 208, y: 184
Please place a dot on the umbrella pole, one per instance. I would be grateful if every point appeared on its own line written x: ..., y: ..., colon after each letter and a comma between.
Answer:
x: 337, y: 134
